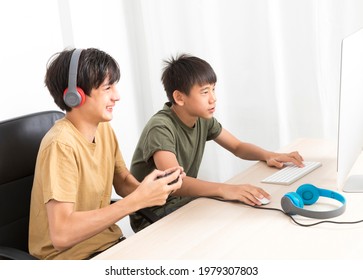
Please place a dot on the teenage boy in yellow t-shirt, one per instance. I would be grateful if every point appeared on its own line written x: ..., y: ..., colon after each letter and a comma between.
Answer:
x: 79, y: 161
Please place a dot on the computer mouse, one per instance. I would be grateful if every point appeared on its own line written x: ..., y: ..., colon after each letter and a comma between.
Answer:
x: 263, y: 200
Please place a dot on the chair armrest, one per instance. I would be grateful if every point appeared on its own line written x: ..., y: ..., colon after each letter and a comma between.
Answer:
x: 8, y: 253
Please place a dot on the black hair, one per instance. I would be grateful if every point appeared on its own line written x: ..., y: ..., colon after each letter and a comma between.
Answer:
x: 94, y: 67
x: 183, y: 72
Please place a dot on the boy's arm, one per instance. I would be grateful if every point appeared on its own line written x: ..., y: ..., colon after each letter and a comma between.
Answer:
x: 67, y: 227
x: 195, y: 187
x: 124, y: 183
x: 250, y: 151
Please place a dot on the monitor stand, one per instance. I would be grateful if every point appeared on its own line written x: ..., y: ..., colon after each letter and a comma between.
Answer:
x: 354, y: 184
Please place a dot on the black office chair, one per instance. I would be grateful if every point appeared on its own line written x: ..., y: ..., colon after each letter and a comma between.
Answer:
x: 19, y: 143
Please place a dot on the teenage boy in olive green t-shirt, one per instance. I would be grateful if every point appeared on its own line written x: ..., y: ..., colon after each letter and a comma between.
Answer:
x: 177, y: 134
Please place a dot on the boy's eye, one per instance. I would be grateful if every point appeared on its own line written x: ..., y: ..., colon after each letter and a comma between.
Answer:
x: 205, y: 90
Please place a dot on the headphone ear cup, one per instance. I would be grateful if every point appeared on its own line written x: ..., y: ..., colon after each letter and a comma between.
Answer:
x: 290, y: 202
x: 74, y: 98
x: 295, y: 199
x: 309, y: 193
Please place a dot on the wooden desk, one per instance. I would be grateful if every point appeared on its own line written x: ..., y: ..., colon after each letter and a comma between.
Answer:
x: 210, y: 229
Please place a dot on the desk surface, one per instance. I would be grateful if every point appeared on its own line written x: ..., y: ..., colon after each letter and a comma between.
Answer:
x: 210, y: 229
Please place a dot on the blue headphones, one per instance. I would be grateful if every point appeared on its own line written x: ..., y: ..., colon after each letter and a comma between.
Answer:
x: 293, y: 202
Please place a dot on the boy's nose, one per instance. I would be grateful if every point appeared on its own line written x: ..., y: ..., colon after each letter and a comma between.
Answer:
x: 116, y: 95
x: 213, y: 97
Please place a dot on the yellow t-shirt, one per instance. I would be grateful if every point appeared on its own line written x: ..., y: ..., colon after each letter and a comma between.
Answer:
x: 71, y: 169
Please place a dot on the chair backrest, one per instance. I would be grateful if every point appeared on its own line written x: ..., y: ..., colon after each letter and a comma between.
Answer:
x: 19, y: 143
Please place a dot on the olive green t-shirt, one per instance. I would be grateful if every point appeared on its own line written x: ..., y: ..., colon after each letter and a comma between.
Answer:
x: 166, y: 132
x: 71, y: 169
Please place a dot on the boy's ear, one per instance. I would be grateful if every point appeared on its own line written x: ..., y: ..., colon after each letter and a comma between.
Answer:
x: 178, y: 97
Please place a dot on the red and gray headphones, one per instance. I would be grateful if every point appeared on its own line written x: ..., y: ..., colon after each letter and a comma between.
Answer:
x: 74, y: 96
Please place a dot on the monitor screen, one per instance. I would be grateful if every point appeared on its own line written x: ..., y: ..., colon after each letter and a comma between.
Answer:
x: 350, y: 127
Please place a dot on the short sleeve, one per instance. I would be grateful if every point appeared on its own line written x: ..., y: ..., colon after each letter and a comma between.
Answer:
x: 214, y: 129
x: 158, y: 138
x: 60, y: 171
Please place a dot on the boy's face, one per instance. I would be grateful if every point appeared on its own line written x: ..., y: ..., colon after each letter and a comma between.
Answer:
x: 201, y: 101
x: 99, y: 105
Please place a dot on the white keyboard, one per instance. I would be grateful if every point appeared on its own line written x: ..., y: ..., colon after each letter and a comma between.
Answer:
x: 291, y: 173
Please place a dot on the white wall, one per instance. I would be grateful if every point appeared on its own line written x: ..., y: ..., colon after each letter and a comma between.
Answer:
x: 277, y: 61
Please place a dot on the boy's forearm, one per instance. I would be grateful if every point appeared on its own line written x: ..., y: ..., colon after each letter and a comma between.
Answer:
x: 195, y: 188
x: 250, y: 151
x: 124, y: 185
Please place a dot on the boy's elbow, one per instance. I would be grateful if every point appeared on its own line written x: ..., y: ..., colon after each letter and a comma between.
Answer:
x: 61, y: 242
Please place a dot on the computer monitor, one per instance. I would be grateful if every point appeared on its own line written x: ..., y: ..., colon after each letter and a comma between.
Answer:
x: 350, y: 127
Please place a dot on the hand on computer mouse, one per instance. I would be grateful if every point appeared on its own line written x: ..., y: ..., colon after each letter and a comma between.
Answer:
x: 263, y: 200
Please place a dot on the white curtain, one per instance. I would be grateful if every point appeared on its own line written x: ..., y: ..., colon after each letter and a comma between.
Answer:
x: 277, y: 61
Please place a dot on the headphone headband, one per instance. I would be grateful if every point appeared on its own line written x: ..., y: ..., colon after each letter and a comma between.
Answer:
x: 293, y: 202
x: 73, y: 69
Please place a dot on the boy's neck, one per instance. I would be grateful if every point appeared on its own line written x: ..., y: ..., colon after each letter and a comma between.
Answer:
x: 183, y: 116
x: 86, y: 128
